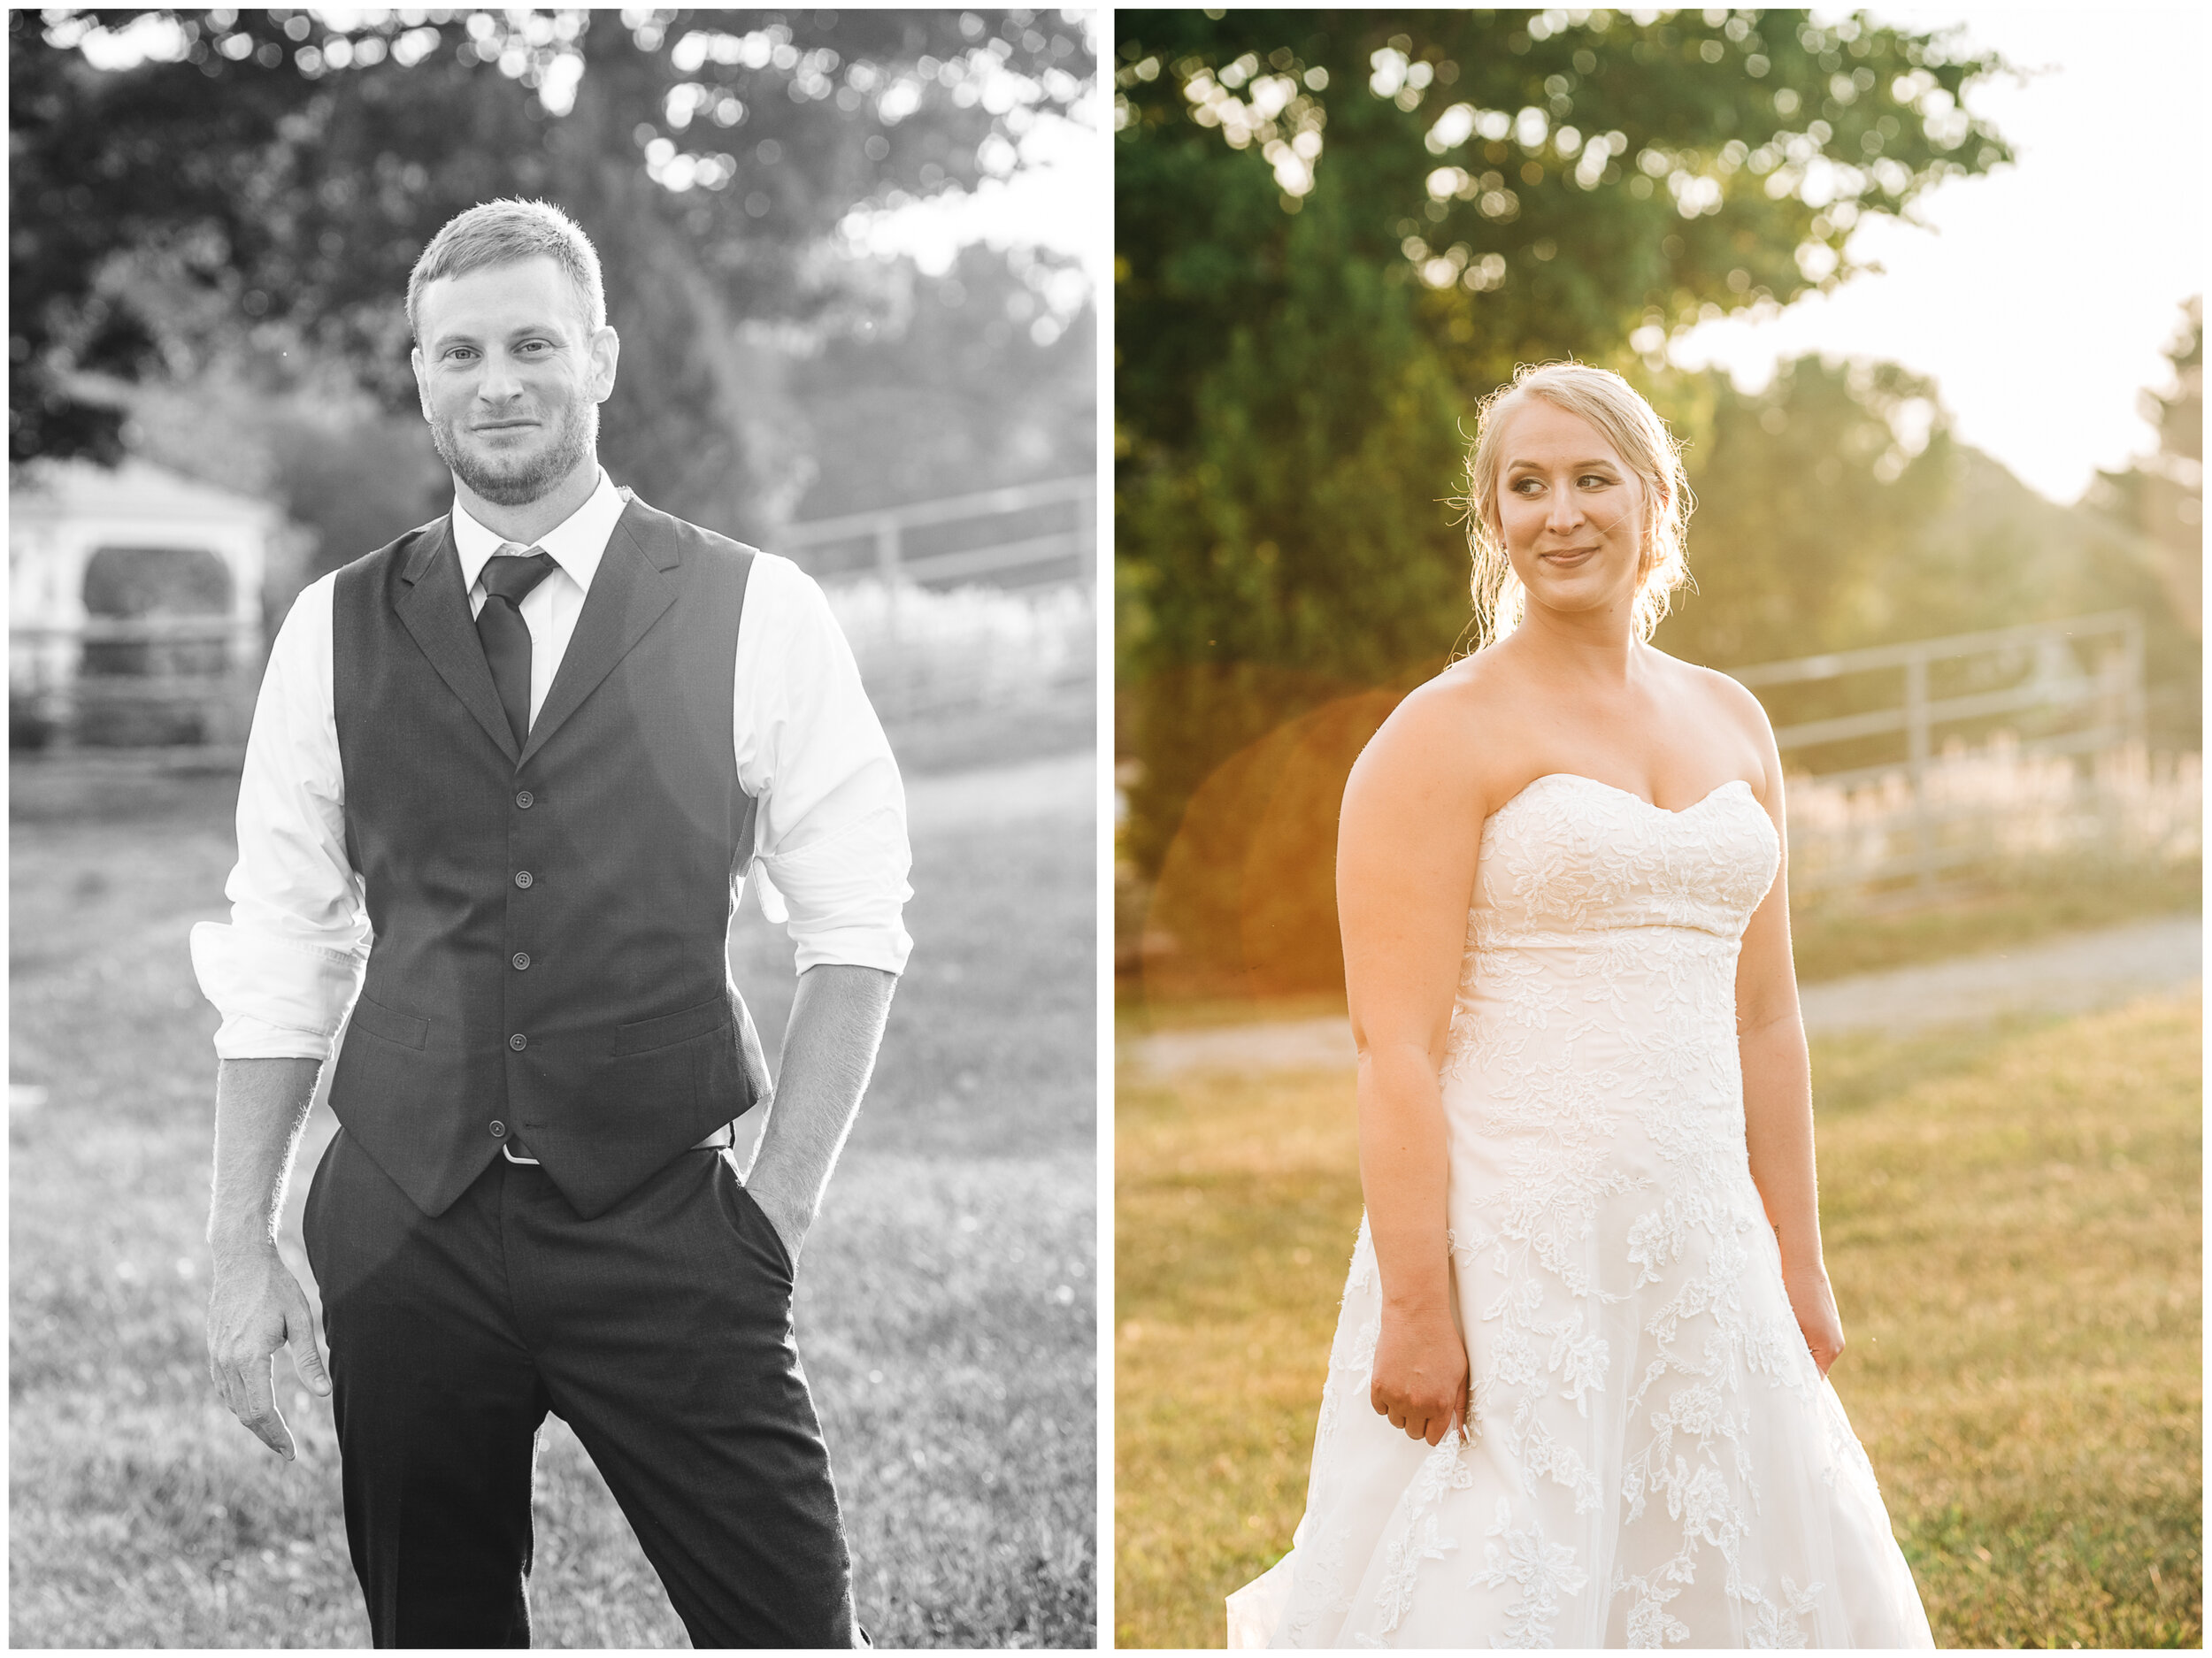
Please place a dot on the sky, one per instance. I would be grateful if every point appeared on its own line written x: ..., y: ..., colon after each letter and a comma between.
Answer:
x: 2040, y: 298
x: 1057, y: 198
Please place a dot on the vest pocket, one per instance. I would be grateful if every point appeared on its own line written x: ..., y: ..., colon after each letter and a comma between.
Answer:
x: 671, y: 1028
x: 378, y: 1020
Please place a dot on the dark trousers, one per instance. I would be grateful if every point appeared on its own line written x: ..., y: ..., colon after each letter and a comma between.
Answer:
x: 660, y: 1331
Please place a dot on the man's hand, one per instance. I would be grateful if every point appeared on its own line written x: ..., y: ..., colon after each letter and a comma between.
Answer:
x: 1420, y: 1377
x: 791, y: 1228
x: 256, y: 1307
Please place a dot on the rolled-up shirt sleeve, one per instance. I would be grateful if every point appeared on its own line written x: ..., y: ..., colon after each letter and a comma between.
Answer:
x: 285, y: 970
x: 831, y: 831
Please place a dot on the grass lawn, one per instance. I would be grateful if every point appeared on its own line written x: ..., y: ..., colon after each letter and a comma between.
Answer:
x: 944, y: 1306
x: 1999, y: 914
x: 2011, y: 1217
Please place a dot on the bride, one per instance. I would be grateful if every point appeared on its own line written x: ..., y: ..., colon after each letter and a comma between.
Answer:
x: 1578, y: 1391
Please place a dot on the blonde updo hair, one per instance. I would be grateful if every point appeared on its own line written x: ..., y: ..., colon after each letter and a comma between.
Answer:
x: 1638, y: 436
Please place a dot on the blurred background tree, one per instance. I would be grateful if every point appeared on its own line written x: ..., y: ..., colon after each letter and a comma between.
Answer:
x: 2161, y: 497
x: 215, y: 239
x: 1336, y: 230
x: 982, y: 374
x: 1835, y: 510
x: 1810, y: 494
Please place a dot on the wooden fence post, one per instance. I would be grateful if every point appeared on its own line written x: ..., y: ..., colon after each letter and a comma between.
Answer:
x: 2137, y: 714
x: 1916, y: 768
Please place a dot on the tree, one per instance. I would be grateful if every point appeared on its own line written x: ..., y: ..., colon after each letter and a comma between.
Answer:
x: 981, y: 376
x: 1810, y: 495
x: 2162, y: 496
x: 1540, y: 188
x: 1335, y: 231
x: 297, y: 167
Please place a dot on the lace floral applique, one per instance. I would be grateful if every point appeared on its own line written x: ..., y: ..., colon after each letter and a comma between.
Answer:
x: 1578, y: 1356
x: 1844, y: 1453
x: 1319, y: 1592
x: 1543, y: 1456
x: 1352, y: 1355
x: 1650, y: 1624
x: 1657, y: 1241
x: 1775, y: 1627
x: 1543, y: 1572
x: 1444, y: 1468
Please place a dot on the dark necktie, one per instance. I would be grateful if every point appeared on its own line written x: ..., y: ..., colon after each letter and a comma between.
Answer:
x: 506, y: 636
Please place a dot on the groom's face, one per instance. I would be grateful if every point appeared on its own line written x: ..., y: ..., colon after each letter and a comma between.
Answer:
x: 511, y: 374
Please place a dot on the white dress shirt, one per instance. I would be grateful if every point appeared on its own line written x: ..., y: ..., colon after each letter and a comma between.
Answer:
x: 830, y: 835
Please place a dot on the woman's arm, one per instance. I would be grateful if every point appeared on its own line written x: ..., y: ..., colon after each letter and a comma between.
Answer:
x: 1405, y: 874
x: 1777, y: 1089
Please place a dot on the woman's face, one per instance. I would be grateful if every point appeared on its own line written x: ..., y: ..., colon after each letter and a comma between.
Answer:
x: 1571, y: 512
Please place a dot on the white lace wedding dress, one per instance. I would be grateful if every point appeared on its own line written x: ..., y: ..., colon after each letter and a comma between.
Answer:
x: 1653, y: 1457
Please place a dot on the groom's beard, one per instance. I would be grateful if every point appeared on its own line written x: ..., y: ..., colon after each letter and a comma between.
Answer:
x: 569, y: 437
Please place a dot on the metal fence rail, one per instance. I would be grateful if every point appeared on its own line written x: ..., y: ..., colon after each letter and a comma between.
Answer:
x: 2089, y: 711
x: 1018, y: 550
x: 191, y: 678
x: 133, y: 680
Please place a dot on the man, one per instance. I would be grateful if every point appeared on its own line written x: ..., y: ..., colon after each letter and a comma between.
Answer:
x: 506, y: 778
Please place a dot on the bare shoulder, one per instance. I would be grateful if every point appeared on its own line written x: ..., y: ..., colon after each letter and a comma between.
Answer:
x: 1433, y: 744
x: 1722, y: 696
x: 1731, y: 706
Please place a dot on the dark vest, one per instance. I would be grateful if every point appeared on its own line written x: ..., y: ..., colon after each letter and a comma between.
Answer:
x: 549, y: 923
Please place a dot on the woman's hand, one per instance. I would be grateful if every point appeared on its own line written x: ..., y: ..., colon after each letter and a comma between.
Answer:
x: 1815, y: 1304
x: 1420, y: 1380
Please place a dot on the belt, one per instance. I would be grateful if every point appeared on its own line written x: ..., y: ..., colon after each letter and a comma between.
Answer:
x: 721, y: 1137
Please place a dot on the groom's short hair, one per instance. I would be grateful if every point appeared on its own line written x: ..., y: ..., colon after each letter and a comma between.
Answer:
x: 506, y: 232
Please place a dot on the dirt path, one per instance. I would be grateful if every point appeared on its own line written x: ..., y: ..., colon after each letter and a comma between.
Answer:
x: 2076, y: 972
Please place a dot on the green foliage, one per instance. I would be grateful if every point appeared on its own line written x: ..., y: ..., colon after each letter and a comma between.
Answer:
x: 1276, y: 539
x: 2162, y: 496
x: 302, y: 167
x: 1806, y: 495
x: 1739, y: 145
x: 1997, y: 553
x: 1335, y: 230
x: 1834, y: 510
x: 967, y: 382
x: 349, y: 475
x: 2161, y: 499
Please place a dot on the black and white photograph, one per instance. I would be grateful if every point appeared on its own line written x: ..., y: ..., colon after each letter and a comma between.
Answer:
x: 553, y: 719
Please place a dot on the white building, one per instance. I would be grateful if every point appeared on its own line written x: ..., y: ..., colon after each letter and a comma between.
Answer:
x: 136, y: 588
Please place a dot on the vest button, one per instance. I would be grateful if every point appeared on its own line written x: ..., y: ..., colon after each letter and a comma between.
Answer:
x: 517, y: 1041
x: 523, y: 878
x: 525, y: 798
x: 499, y: 1129
x: 522, y: 960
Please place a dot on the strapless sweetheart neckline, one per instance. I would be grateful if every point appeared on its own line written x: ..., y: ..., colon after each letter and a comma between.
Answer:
x: 1614, y: 789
